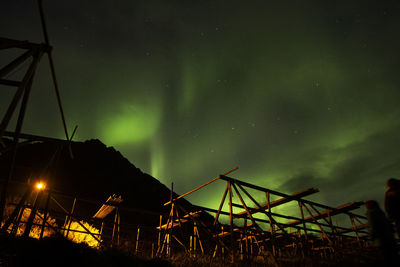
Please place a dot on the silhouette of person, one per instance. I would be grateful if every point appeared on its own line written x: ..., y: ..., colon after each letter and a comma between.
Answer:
x: 392, y: 202
x: 381, y: 233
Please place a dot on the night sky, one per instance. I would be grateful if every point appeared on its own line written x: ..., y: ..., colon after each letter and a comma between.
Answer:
x: 298, y: 94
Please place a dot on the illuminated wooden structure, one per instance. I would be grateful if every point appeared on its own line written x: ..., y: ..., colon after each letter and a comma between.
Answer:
x: 112, y: 204
x: 41, y: 204
x: 254, y: 230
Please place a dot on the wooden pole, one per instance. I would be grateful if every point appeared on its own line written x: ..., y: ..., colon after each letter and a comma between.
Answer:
x: 17, y: 212
x: 355, y: 230
x: 31, y: 218
x: 231, y: 223
x: 137, y: 240
x: 45, y: 214
x: 159, y: 234
x: 259, y: 206
x: 222, y: 247
x: 215, y: 251
x: 168, y: 245
x: 247, y: 210
x: 118, y: 225
x: 101, y: 229
x: 241, y: 246
x: 221, y: 205
x: 267, y: 196
x: 164, y: 243
x: 24, y: 89
x: 70, y: 216
x: 198, y: 238
x: 302, y: 217
x: 191, y: 245
x: 246, y: 238
x: 259, y: 188
x: 170, y: 229
x: 194, y: 243
x: 197, y: 188
x: 114, y: 227
x: 52, y: 68
x: 316, y: 222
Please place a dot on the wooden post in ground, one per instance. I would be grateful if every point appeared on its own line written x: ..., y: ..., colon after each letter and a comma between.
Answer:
x: 23, y: 91
x: 355, y: 230
x: 251, y: 246
x: 119, y: 225
x: 222, y: 247
x: 198, y: 238
x: 215, y: 251
x: 101, y: 230
x: 32, y: 215
x: 302, y: 218
x: 170, y: 229
x: 115, y: 227
x: 159, y: 234
x: 267, y: 196
x: 333, y: 229
x: 246, y: 238
x: 16, y: 222
x: 191, y: 245
x: 305, y: 239
x: 221, y: 205
x: 328, y: 221
x: 17, y: 212
x: 168, y: 245
x: 241, y: 246
x: 323, y: 233
x: 194, y: 244
x: 46, y: 208
x: 137, y: 241
x: 231, y: 222
x: 69, y: 217
x: 164, y: 244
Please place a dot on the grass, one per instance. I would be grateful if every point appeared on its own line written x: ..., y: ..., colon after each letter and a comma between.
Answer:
x: 58, y: 251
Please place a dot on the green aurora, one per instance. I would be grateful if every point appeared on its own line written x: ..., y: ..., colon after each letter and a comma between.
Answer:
x: 297, y: 94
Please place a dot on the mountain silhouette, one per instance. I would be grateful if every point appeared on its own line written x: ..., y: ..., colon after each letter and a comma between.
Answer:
x: 95, y: 172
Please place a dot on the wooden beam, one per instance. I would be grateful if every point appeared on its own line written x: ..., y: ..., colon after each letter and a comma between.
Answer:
x: 259, y: 188
x: 6, y: 43
x: 10, y: 83
x: 220, y: 206
x: 197, y: 188
x: 283, y: 200
x: 335, y: 211
x: 33, y: 137
x: 13, y: 64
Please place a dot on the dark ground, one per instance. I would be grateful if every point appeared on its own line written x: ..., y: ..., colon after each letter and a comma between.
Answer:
x: 18, y: 251
x: 57, y: 251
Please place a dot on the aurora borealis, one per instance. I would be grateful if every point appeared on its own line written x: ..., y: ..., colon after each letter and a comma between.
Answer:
x: 297, y: 94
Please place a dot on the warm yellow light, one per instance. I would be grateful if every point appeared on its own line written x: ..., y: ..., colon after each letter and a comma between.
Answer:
x: 40, y: 186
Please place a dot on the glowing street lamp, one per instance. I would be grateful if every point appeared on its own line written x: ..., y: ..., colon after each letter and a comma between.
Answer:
x: 40, y: 186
